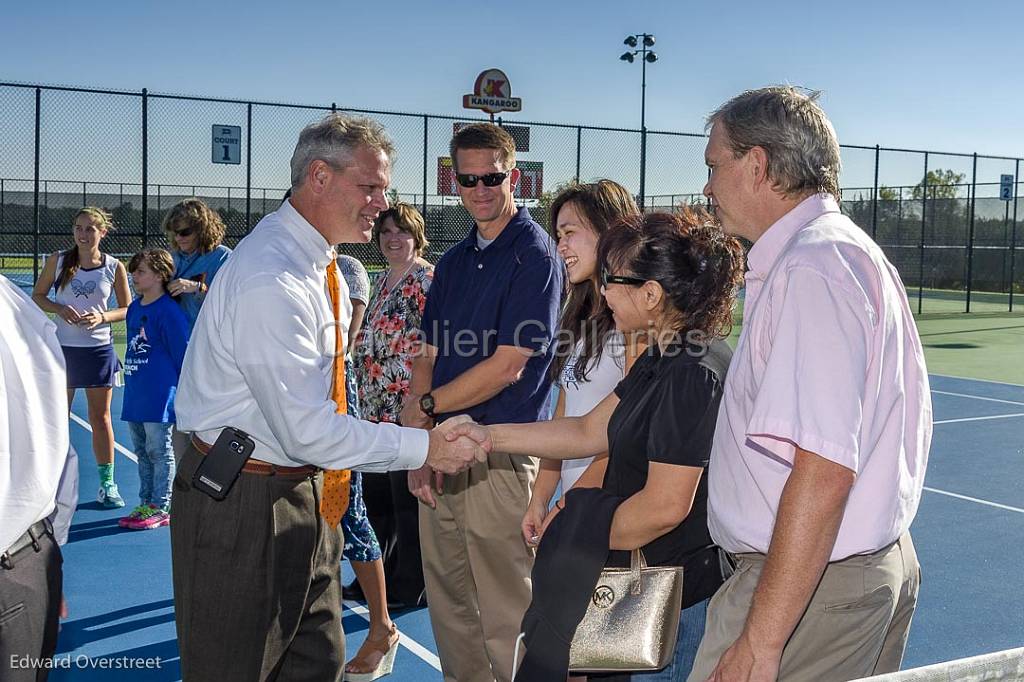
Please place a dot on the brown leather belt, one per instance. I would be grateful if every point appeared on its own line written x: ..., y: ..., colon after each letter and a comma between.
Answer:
x: 261, y: 468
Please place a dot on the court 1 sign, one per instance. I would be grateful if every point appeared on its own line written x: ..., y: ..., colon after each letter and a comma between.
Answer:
x: 227, y: 144
x: 492, y: 93
x: 531, y: 179
x: 1006, y: 187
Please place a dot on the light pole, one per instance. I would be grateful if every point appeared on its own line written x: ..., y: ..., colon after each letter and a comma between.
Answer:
x: 645, y: 41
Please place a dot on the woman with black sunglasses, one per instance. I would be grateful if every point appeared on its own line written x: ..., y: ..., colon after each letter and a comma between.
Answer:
x: 670, y: 279
x: 195, y: 233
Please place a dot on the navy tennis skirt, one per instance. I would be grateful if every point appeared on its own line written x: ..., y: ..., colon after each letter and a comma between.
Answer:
x: 91, y: 366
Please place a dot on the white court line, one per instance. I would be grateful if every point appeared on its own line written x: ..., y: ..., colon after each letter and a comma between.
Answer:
x: 979, y: 419
x: 117, y: 446
x: 408, y: 642
x: 975, y: 499
x: 978, y: 397
x: 986, y: 381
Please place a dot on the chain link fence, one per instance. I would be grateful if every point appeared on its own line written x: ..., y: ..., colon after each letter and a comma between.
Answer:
x: 943, y: 219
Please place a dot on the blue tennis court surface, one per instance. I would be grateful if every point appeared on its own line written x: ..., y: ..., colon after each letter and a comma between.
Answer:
x: 967, y: 533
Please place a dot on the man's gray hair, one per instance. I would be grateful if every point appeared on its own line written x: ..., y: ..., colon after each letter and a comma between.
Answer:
x: 334, y: 139
x: 798, y: 139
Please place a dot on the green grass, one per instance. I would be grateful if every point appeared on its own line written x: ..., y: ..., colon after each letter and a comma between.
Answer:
x: 947, y: 301
x: 982, y: 345
x: 978, y: 346
x: 15, y: 263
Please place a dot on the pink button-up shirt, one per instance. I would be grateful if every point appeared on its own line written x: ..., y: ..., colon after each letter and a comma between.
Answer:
x: 828, y: 360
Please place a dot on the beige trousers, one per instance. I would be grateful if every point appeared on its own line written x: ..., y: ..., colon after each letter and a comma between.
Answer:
x: 855, y: 626
x: 477, y: 567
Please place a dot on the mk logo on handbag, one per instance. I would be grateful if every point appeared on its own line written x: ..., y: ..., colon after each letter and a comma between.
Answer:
x: 604, y: 596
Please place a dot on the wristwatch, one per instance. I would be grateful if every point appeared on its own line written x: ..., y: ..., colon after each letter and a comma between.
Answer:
x: 427, y: 405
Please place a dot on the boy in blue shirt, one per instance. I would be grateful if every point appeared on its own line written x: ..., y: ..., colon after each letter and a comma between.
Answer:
x: 158, y: 333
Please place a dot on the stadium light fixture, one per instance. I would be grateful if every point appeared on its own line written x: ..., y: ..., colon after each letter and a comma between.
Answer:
x: 644, y: 41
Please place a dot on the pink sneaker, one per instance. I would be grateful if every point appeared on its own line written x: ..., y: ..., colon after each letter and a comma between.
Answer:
x: 154, y: 519
x: 136, y: 514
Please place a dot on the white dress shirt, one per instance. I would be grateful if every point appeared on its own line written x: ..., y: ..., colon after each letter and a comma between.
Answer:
x: 67, y: 498
x: 33, y: 414
x: 260, y: 358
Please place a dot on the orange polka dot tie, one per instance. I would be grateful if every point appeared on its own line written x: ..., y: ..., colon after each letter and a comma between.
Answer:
x: 334, y: 499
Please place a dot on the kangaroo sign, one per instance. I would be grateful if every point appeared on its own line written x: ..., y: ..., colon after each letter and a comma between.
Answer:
x: 492, y: 93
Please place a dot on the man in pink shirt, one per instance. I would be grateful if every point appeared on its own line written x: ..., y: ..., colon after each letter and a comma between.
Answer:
x: 822, y: 438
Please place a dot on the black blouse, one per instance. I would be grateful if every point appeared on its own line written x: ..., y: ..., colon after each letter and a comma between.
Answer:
x: 668, y: 406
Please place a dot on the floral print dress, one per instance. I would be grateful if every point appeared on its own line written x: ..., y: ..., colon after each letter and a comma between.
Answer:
x: 388, y: 341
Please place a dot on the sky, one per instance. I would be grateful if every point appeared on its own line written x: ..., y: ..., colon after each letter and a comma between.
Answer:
x: 903, y: 73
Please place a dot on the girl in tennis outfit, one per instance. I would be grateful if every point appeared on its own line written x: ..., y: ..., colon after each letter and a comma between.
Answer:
x: 670, y: 279
x: 83, y: 279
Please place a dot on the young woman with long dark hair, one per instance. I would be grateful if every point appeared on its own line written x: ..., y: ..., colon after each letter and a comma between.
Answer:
x: 83, y: 278
x: 590, y: 356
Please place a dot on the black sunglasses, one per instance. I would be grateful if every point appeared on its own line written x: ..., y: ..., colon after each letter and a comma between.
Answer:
x: 187, y: 232
x: 490, y: 180
x: 607, y: 279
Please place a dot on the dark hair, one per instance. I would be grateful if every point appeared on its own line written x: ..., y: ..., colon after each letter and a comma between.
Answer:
x: 69, y: 263
x: 484, y: 136
x: 699, y: 267
x: 407, y: 219
x: 159, y: 261
x: 585, y: 316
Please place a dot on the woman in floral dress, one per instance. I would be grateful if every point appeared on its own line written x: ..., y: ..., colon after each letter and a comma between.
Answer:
x: 382, y: 356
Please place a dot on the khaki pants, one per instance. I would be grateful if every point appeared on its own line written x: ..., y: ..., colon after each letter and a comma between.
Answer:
x: 855, y: 626
x: 477, y: 567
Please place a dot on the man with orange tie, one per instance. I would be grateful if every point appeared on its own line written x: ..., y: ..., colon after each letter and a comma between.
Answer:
x: 256, y: 575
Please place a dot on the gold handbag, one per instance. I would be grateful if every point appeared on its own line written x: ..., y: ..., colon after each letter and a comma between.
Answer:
x: 632, y: 620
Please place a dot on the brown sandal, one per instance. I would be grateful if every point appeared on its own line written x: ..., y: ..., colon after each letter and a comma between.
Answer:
x: 359, y: 669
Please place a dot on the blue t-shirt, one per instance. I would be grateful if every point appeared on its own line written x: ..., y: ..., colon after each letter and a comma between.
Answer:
x: 508, y: 294
x: 157, y: 336
x: 198, y: 267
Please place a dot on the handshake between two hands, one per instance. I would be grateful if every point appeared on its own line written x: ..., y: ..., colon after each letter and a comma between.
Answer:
x: 455, y: 444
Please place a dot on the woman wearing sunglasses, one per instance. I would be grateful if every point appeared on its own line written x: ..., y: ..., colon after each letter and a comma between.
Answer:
x: 589, y: 356
x: 195, y: 233
x: 670, y: 279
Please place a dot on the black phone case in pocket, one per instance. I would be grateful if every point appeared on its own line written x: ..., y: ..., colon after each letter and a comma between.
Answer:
x: 220, y: 467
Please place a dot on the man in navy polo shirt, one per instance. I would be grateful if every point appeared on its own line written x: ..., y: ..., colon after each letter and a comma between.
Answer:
x: 489, y: 322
